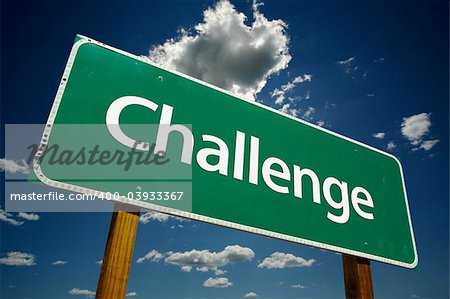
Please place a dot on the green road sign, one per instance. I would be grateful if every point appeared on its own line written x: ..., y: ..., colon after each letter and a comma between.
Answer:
x: 123, y: 126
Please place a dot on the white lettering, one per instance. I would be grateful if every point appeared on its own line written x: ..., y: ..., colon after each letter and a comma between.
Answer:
x: 268, y: 172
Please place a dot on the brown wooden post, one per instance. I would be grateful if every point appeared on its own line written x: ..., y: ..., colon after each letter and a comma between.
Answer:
x: 118, y: 253
x: 357, y: 277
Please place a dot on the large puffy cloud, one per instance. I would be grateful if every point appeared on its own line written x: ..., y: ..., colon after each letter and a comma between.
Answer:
x: 228, y: 53
x: 16, y: 258
x: 415, y: 128
x: 280, y: 260
x: 205, y: 260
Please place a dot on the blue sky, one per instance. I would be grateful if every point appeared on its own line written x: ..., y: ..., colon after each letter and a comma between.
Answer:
x: 374, y: 71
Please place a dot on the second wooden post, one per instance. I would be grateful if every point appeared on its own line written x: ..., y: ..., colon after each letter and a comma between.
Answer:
x: 118, y: 253
x: 357, y: 277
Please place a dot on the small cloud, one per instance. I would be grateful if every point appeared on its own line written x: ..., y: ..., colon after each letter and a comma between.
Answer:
x: 391, y: 146
x: 280, y: 260
x: 346, y: 61
x: 152, y: 256
x: 414, y: 296
x: 16, y: 258
x: 415, y: 128
x: 83, y: 292
x: 59, y: 262
x: 350, y: 68
x: 251, y: 295
x: 8, y: 218
x: 370, y: 95
x: 309, y: 112
x: 219, y: 282
x: 219, y: 272
x: 29, y: 216
x: 427, y: 145
x: 14, y: 166
x: 320, y: 123
x: 288, y: 110
x: 279, y: 94
x: 298, y: 286
x: 378, y: 60
x: 155, y: 216
x: 100, y: 262
x: 379, y: 135
x: 131, y: 294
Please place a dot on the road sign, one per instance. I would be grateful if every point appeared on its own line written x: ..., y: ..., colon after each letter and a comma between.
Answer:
x: 123, y: 126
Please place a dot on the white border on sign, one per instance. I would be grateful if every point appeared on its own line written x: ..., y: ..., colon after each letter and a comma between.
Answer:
x: 52, y: 183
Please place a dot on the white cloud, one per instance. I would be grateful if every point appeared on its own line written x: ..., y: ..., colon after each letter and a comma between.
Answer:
x: 427, y: 145
x: 152, y: 256
x: 77, y: 291
x: 160, y: 217
x: 415, y: 128
x: 14, y: 166
x: 379, y: 135
x: 204, y: 260
x: 227, y: 52
x: 29, y: 216
x: 351, y: 68
x: 219, y: 272
x: 280, y: 260
x: 155, y: 216
x: 7, y: 217
x: 298, y: 286
x: 100, y: 262
x: 279, y: 94
x: 251, y: 295
x: 288, y: 110
x: 59, y: 262
x: 15, y: 258
x: 309, y: 112
x: 346, y: 61
x: 320, y: 123
x: 131, y: 294
x: 220, y: 282
x: 378, y: 60
x: 391, y: 145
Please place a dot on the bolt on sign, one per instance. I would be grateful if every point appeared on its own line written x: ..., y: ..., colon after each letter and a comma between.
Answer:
x: 155, y: 138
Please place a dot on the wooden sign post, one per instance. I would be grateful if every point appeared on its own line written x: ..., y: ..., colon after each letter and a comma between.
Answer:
x: 118, y: 253
x: 357, y: 277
